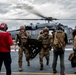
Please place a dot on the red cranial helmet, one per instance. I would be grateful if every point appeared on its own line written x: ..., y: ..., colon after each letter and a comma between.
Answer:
x: 3, y: 26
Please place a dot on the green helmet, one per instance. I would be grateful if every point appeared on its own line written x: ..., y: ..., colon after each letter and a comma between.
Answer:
x: 22, y: 27
x: 46, y: 29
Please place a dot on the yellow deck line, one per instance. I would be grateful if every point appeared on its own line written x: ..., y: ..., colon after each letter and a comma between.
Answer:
x: 45, y: 73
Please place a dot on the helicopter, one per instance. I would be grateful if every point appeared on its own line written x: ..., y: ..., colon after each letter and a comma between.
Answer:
x: 34, y: 29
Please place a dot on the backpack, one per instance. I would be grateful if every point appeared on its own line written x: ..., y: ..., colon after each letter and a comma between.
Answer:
x: 73, y: 61
x: 59, y: 42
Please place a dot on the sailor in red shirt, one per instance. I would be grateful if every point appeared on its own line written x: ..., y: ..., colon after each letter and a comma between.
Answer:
x: 5, y: 43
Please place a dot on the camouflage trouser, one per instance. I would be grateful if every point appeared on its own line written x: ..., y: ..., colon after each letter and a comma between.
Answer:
x: 44, y: 52
x: 20, y: 53
x: 74, y: 43
x: 55, y: 57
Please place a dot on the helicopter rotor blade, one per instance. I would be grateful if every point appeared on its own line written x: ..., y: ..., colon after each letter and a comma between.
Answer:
x: 47, y: 18
x: 38, y: 14
x: 23, y: 19
x: 66, y: 19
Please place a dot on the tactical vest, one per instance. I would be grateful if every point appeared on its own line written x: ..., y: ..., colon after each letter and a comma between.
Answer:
x: 22, y: 37
x: 46, y: 41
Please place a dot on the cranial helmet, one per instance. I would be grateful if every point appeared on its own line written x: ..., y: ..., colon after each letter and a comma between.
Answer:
x: 3, y: 26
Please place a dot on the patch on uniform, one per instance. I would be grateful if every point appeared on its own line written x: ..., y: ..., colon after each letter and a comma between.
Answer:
x: 24, y: 37
x: 34, y: 47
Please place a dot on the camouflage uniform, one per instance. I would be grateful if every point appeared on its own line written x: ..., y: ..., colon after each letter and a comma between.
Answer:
x: 46, y: 41
x: 74, y: 38
x: 55, y: 57
x: 72, y: 56
x: 22, y: 39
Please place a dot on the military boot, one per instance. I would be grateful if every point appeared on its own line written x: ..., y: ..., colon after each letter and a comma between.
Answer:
x: 20, y: 68
x: 54, y: 71
x: 41, y: 67
x: 47, y: 63
x: 28, y: 63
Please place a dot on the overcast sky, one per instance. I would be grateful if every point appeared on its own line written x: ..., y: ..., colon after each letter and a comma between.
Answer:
x: 28, y: 8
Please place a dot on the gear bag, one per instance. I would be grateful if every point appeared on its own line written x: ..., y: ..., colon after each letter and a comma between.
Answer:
x: 34, y: 47
x: 73, y: 61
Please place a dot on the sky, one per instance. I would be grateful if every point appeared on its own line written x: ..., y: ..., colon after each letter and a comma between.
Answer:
x: 27, y: 9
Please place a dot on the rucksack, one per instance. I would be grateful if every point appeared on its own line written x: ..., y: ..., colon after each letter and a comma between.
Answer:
x: 73, y: 61
x: 59, y: 37
x: 59, y: 43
